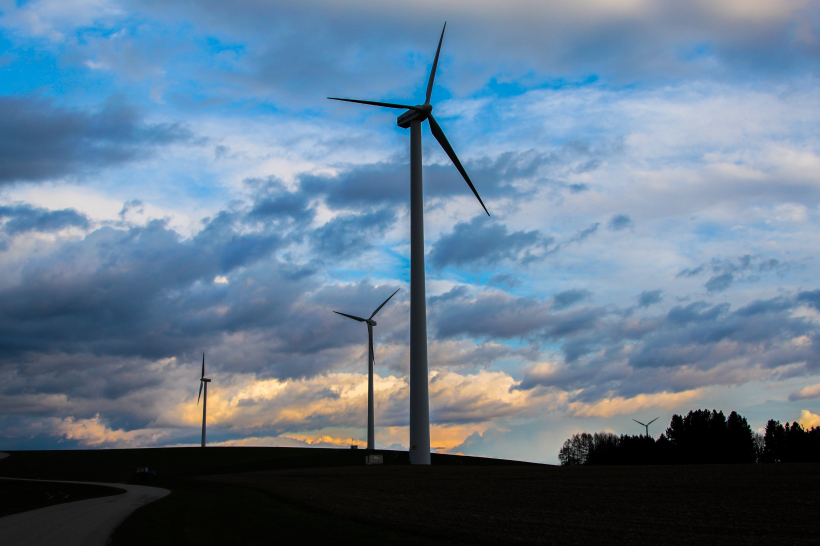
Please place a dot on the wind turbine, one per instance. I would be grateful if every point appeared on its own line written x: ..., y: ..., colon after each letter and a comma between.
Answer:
x: 203, y: 381
x: 419, y: 395
x: 647, y: 424
x: 371, y: 363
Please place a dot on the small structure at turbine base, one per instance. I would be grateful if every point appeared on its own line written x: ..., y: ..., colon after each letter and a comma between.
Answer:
x: 374, y: 459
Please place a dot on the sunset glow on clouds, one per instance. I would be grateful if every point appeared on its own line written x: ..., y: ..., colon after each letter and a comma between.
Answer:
x: 173, y: 181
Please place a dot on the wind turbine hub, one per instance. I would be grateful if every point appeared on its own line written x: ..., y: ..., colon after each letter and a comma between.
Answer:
x: 372, y: 322
x: 410, y: 116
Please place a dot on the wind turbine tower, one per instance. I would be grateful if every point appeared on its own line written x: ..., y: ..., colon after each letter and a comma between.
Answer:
x: 419, y: 395
x: 203, y: 382
x: 647, y: 424
x: 371, y: 363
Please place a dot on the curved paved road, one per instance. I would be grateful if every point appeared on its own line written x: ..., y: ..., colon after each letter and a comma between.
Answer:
x: 81, y: 523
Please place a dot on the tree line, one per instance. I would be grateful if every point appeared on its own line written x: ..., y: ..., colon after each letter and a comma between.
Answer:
x: 701, y: 437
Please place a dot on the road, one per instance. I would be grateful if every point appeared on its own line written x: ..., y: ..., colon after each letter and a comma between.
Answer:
x: 81, y: 523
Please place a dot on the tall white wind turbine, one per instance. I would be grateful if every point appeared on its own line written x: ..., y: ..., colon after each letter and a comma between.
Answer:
x: 203, y: 382
x: 371, y: 363
x: 419, y: 395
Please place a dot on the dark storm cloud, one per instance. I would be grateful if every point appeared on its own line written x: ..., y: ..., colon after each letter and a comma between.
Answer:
x: 504, y: 279
x: 131, y: 292
x: 23, y: 218
x: 584, y: 234
x: 147, y: 293
x: 366, y: 185
x: 457, y: 314
x: 719, y: 283
x: 273, y: 202
x: 726, y: 272
x: 379, y: 188
x: 519, y: 174
x: 810, y: 298
x: 40, y: 141
x: 305, y: 51
x: 568, y: 298
x: 486, y: 242
x: 351, y: 234
x: 619, y: 222
x: 711, y: 342
x: 387, y: 183
x: 650, y: 297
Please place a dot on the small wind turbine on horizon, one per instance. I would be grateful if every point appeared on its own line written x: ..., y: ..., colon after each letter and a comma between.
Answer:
x: 647, y: 424
x: 419, y: 388
x: 371, y: 363
x: 203, y: 382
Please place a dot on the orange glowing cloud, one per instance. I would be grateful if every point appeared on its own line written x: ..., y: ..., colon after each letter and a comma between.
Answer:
x: 620, y: 405
x: 93, y: 433
x: 808, y: 419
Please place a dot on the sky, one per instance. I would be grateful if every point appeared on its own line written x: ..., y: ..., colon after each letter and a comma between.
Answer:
x: 173, y: 181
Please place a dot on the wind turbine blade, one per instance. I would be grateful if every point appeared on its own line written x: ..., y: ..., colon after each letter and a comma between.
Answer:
x: 439, y: 134
x: 203, y: 365
x: 644, y: 424
x: 435, y: 64
x: 379, y: 308
x: 200, y: 392
x: 351, y: 316
x: 652, y: 421
x: 385, y: 104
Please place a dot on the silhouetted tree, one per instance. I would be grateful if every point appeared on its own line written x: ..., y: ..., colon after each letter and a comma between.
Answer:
x: 575, y: 450
x: 693, y: 436
x: 701, y: 436
x: 760, y: 444
x: 604, y: 449
x: 791, y: 443
x: 775, y: 441
x: 813, y: 445
x: 740, y: 440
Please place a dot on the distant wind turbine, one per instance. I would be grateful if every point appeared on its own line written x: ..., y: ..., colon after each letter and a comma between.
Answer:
x: 419, y: 394
x: 203, y: 382
x: 371, y: 363
x: 647, y: 424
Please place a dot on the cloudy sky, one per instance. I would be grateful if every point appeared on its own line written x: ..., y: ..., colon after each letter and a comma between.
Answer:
x: 173, y: 181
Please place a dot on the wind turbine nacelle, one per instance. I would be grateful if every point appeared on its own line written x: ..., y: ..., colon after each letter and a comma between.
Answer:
x: 410, y: 116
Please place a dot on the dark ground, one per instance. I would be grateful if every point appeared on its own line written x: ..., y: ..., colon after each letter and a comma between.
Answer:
x: 318, y: 496
x: 208, y: 514
x: 714, y: 504
x: 118, y: 465
x: 21, y: 496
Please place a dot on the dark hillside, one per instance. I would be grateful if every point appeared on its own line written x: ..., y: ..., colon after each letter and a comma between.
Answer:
x: 670, y: 504
x: 118, y: 465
